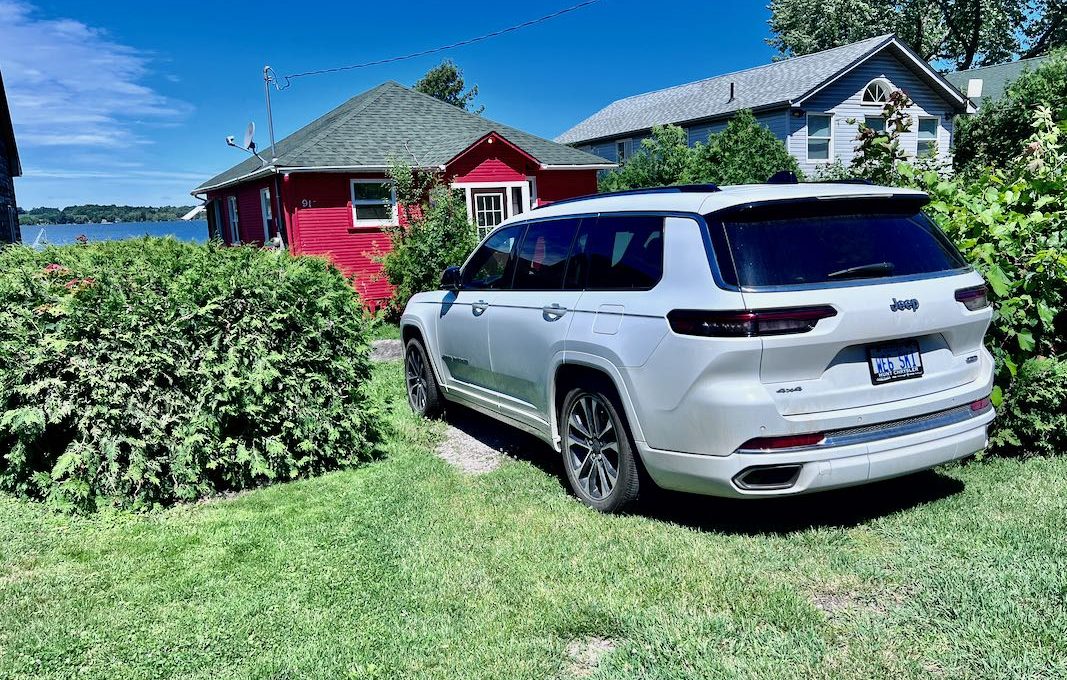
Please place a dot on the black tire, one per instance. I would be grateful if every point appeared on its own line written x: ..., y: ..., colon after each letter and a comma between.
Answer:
x: 587, y: 411
x: 424, y: 396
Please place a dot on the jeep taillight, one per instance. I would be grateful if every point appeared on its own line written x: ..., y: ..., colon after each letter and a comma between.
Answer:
x: 973, y: 298
x: 747, y: 323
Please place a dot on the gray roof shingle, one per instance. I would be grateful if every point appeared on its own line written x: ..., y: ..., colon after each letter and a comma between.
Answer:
x: 995, y: 79
x: 760, y: 87
x: 391, y: 122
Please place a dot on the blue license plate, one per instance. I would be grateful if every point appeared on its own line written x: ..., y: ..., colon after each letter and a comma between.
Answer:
x: 897, y: 360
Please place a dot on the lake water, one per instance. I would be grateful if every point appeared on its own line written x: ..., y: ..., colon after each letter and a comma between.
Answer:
x: 62, y: 234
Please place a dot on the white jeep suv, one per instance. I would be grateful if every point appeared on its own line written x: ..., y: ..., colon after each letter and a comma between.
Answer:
x: 759, y: 340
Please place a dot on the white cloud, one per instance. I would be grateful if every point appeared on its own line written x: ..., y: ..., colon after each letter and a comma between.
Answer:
x: 68, y: 84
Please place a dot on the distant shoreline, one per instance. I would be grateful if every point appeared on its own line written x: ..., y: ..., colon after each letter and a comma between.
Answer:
x: 106, y: 224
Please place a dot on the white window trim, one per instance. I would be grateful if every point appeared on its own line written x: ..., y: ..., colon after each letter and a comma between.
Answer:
x: 807, y: 138
x: 233, y: 221
x: 528, y: 188
x: 937, y: 135
x: 498, y: 192
x: 394, y: 218
x: 264, y: 207
x: 884, y: 83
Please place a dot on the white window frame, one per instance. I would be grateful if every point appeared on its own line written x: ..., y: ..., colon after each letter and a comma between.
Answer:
x: 528, y: 189
x: 807, y: 139
x: 394, y: 214
x: 937, y: 135
x: 233, y: 220
x: 502, y: 194
x: 267, y: 211
x: 886, y: 85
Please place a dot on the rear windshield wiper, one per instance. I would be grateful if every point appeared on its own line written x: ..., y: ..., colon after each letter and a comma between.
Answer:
x: 873, y: 269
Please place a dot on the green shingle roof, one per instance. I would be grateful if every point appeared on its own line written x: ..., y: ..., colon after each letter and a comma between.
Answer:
x: 995, y: 79
x: 391, y: 122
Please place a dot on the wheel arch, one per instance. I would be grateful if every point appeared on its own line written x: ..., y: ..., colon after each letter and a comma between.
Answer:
x: 579, y: 369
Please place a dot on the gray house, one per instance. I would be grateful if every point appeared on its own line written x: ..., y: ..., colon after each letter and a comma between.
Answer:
x: 988, y: 83
x: 807, y: 102
x: 9, y: 168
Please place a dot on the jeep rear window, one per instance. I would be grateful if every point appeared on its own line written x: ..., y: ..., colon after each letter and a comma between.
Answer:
x: 790, y: 246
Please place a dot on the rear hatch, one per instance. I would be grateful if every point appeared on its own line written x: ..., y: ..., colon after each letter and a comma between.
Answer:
x: 886, y: 280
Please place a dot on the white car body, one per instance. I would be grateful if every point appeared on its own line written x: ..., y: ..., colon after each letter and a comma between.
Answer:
x: 693, y: 402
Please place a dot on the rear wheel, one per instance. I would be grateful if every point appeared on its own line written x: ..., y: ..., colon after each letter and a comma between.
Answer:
x: 597, y: 453
x: 423, y: 395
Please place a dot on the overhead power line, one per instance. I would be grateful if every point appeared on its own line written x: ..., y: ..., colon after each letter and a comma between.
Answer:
x: 462, y: 43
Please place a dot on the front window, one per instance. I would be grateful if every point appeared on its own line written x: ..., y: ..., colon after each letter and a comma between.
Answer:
x: 488, y: 210
x: 800, y: 244
x: 231, y: 204
x: 819, y: 136
x: 876, y: 123
x: 927, y: 145
x: 373, y: 203
x: 488, y: 267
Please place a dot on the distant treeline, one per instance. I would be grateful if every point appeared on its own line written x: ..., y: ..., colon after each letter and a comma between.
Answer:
x: 90, y: 214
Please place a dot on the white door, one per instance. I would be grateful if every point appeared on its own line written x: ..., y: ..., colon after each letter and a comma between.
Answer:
x: 489, y: 210
x: 264, y: 201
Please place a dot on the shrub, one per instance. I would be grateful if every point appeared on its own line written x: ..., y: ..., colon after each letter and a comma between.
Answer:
x: 745, y: 152
x: 435, y: 234
x: 993, y: 136
x: 1033, y: 417
x: 663, y: 159
x: 878, y: 151
x: 153, y: 371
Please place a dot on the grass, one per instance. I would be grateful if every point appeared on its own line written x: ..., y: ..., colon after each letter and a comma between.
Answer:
x: 406, y: 568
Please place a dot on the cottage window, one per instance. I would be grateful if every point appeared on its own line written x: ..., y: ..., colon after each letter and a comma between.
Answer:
x: 235, y: 234
x: 819, y: 136
x: 877, y: 92
x: 488, y: 210
x: 927, y: 144
x: 373, y: 203
x: 876, y: 123
x: 620, y: 151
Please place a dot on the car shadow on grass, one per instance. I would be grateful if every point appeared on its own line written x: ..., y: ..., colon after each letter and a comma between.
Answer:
x: 839, y: 508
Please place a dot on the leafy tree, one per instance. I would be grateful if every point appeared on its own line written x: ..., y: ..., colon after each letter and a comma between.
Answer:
x: 962, y: 33
x: 746, y: 152
x: 445, y: 82
x: 1048, y: 31
x: 435, y: 233
x: 664, y: 159
x: 993, y: 136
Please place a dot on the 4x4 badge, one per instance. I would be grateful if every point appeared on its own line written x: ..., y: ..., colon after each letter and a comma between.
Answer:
x: 901, y: 305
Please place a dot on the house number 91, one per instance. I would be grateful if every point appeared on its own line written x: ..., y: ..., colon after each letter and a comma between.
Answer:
x: 306, y: 203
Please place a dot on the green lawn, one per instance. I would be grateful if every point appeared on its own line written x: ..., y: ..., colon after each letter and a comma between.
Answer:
x: 406, y: 568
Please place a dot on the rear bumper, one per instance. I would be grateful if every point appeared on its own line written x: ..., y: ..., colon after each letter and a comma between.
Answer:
x: 820, y: 469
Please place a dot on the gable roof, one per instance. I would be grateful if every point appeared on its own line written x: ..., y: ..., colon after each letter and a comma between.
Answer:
x: 7, y: 134
x: 995, y: 79
x: 391, y: 122
x: 781, y: 83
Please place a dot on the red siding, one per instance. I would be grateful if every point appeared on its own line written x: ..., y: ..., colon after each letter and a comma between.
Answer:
x: 249, y: 210
x: 485, y: 162
x: 322, y: 225
x: 556, y: 185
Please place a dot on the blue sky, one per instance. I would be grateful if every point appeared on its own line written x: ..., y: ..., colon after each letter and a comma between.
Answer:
x: 130, y: 102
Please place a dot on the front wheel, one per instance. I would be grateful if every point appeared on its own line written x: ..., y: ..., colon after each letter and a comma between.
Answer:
x: 423, y: 394
x: 597, y: 454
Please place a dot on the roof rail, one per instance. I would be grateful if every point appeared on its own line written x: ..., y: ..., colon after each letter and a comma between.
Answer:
x: 852, y: 180
x: 675, y: 189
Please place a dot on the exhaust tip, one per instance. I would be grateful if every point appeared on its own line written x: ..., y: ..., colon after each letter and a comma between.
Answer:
x: 768, y: 477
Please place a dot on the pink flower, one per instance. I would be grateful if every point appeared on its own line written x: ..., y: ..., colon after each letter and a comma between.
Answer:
x: 55, y: 269
x: 72, y: 283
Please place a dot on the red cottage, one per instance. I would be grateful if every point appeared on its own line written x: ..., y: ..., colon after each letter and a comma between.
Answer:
x: 323, y: 192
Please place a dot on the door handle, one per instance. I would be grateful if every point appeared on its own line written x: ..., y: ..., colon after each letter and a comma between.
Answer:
x: 479, y: 307
x: 553, y: 311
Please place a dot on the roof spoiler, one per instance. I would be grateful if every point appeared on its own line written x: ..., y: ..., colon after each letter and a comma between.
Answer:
x: 675, y: 189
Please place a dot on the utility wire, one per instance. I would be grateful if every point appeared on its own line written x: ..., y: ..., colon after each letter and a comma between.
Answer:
x: 462, y: 43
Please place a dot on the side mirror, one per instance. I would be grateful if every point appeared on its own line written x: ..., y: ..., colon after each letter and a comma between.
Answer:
x: 451, y: 279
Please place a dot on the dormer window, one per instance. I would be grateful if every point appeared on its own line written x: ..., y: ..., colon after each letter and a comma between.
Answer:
x: 877, y: 92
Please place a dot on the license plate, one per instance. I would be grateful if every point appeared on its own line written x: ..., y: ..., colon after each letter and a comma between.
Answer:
x: 895, y: 361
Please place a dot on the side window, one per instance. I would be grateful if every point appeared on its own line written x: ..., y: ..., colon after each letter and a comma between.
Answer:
x: 618, y: 252
x: 542, y: 259
x: 489, y: 266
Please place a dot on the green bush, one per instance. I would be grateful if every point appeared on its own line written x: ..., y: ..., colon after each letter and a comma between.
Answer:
x: 745, y: 152
x: 993, y: 136
x: 1033, y: 418
x: 436, y: 234
x: 152, y: 371
x: 663, y: 159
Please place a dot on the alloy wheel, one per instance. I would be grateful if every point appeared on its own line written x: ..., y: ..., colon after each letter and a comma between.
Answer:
x: 592, y: 446
x: 416, y: 376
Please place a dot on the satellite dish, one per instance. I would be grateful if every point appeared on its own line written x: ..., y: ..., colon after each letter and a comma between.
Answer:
x: 249, y: 133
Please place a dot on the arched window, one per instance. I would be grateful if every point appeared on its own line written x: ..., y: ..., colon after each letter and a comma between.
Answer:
x: 877, y: 92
